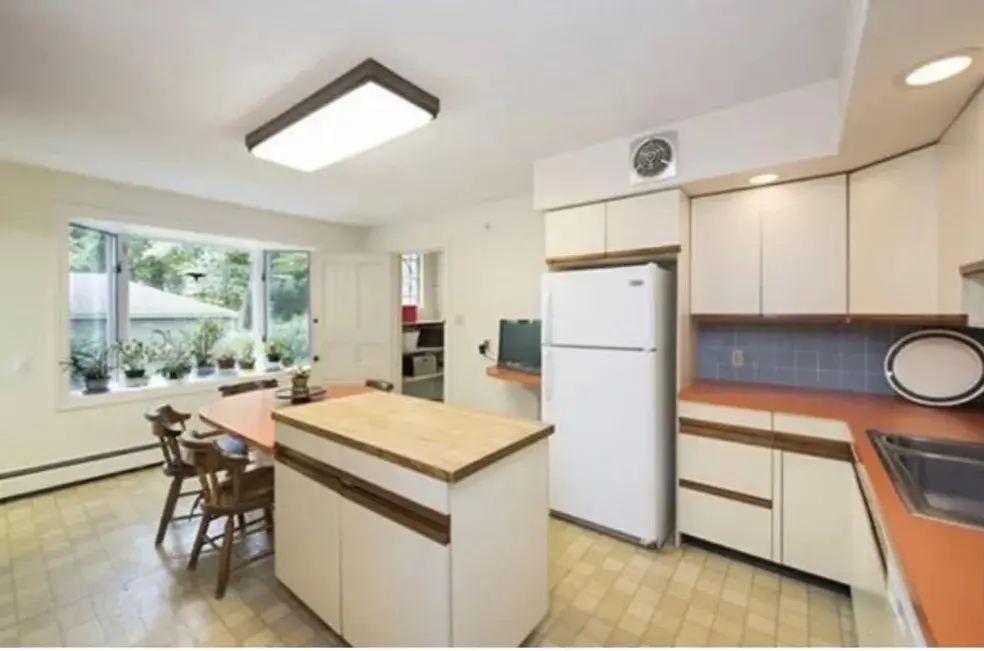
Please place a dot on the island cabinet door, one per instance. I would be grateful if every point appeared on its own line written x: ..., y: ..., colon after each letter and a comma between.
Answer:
x: 307, y: 531
x: 395, y: 583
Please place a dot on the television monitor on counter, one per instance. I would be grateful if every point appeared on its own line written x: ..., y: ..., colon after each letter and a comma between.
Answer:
x: 519, y: 344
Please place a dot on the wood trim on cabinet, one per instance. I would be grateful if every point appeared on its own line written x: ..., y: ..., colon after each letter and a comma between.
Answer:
x: 396, y: 508
x: 814, y: 446
x: 727, y: 494
x: 953, y: 320
x: 612, y: 259
x: 527, y: 379
x: 732, y: 433
x: 972, y: 268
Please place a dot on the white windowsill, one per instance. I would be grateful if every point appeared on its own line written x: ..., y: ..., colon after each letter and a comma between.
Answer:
x: 157, y: 388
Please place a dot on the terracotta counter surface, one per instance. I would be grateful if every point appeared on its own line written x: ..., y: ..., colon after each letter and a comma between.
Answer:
x: 943, y: 563
x: 446, y: 442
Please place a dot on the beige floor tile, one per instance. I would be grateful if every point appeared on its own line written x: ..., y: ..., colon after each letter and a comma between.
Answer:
x: 86, y: 634
x: 699, y: 615
x: 760, y: 624
x: 719, y: 640
x: 659, y: 636
x: 727, y: 627
x: 692, y: 634
x: 757, y: 638
x: 633, y: 624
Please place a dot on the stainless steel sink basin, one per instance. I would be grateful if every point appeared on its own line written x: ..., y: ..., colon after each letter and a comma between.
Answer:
x: 938, y: 478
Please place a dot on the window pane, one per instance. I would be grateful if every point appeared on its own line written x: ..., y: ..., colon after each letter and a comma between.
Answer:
x: 174, y: 286
x: 411, y: 278
x: 90, y: 282
x: 289, y: 302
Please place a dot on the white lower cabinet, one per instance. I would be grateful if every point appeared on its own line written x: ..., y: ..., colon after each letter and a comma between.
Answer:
x: 307, y: 530
x: 727, y: 522
x: 724, y: 464
x: 396, y: 583
x: 817, y: 500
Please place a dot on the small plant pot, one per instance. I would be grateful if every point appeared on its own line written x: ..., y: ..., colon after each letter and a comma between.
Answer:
x: 273, y: 362
x: 247, y: 366
x: 135, y: 377
x: 96, y: 385
x: 226, y: 364
x: 205, y: 371
x: 174, y: 375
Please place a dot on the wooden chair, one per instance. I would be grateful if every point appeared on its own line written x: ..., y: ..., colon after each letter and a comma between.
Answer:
x: 381, y: 385
x: 231, y: 496
x: 167, y: 425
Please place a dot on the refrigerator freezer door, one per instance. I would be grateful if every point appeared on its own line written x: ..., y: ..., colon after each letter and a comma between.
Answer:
x: 609, y: 458
x: 603, y: 308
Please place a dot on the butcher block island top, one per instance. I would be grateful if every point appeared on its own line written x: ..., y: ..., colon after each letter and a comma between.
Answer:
x: 443, y: 441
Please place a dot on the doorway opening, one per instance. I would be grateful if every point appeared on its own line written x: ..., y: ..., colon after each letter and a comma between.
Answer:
x: 422, y: 324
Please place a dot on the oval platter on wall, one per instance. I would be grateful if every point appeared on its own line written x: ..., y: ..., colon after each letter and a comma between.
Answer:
x: 937, y: 368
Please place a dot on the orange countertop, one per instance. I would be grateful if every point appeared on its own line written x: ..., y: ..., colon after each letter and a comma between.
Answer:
x: 943, y: 563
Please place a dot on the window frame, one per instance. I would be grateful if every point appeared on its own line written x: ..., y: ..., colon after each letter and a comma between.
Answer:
x: 418, y: 271
x: 118, y: 317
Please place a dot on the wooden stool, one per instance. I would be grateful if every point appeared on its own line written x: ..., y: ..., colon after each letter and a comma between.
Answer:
x: 232, y: 497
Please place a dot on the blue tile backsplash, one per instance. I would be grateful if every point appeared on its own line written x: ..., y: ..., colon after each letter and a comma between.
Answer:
x: 845, y: 357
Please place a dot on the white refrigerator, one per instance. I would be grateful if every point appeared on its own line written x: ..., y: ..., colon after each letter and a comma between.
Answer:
x: 608, y: 385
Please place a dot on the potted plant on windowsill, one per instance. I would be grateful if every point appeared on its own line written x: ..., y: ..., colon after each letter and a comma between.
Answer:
x: 225, y: 359
x: 247, y: 358
x: 89, y: 361
x: 203, y: 343
x: 175, y: 355
x: 276, y: 351
x: 133, y: 356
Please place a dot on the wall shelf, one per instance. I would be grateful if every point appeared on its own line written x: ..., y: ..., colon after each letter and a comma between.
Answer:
x: 410, y: 379
x: 420, y: 324
x: 525, y: 378
x: 424, y: 349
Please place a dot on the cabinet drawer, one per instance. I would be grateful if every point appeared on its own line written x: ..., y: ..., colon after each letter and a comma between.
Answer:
x: 822, y: 428
x: 726, y: 415
x: 726, y: 522
x: 734, y: 466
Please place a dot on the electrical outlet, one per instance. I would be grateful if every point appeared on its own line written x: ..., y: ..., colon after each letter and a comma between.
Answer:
x: 737, y: 357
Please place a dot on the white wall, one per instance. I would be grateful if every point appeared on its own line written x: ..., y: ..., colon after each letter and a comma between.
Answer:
x: 39, y: 427
x: 431, y: 289
x: 493, y: 257
x: 797, y: 125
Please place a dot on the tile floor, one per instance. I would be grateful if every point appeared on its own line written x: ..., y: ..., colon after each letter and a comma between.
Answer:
x: 78, y: 567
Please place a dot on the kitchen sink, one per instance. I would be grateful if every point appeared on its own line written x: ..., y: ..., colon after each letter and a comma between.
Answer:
x: 937, y: 478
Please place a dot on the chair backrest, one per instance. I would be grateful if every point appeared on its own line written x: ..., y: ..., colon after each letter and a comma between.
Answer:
x: 381, y: 385
x: 209, y: 461
x: 167, y: 425
x: 246, y: 387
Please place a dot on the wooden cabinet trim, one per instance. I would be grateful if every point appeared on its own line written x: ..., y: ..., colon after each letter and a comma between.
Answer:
x: 814, y: 447
x: 952, y: 320
x: 410, y: 514
x: 733, y: 433
x: 809, y: 445
x: 727, y: 494
x: 613, y: 258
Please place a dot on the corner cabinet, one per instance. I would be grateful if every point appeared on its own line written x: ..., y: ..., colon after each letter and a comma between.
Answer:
x: 638, y: 225
x: 817, y: 502
x: 726, y: 254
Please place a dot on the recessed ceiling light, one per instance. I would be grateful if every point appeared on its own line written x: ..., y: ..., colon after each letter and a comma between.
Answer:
x: 762, y: 179
x: 936, y: 71
x: 362, y: 109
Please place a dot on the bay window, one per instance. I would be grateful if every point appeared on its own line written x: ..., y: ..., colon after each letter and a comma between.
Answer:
x: 130, y: 286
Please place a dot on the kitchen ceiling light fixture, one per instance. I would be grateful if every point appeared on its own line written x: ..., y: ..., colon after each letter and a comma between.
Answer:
x: 762, y: 179
x: 938, y: 70
x: 367, y: 106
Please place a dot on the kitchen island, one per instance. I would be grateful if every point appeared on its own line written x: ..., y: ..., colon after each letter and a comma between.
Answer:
x: 407, y: 522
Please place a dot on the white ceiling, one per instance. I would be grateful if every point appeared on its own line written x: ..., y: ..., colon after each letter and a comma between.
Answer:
x: 161, y: 94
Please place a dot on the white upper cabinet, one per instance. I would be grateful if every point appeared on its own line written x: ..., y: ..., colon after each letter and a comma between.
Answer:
x: 804, y: 247
x: 575, y: 231
x: 645, y: 222
x: 894, y: 243
x: 725, y: 268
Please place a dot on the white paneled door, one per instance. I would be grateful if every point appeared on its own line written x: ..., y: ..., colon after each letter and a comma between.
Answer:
x: 357, y: 327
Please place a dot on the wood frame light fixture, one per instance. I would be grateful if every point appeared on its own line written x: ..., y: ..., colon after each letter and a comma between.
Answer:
x: 365, y: 107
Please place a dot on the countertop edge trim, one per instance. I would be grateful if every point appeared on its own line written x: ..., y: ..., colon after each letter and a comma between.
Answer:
x: 418, y: 466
